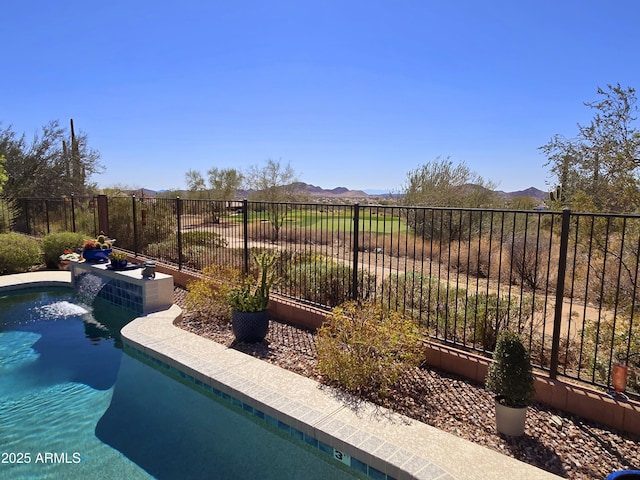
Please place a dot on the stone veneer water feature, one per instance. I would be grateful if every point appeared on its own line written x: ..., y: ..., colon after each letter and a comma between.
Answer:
x: 125, y: 288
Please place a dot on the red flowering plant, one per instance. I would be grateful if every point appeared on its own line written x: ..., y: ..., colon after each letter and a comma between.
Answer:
x: 70, y: 255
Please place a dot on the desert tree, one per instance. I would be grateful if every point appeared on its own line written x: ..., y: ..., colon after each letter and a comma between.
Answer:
x: 597, y: 170
x: 276, y: 184
x: 195, y: 183
x: 443, y: 184
x: 54, y: 163
x: 224, y: 182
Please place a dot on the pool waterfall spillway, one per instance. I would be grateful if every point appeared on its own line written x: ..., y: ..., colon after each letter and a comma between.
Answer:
x: 125, y: 288
x: 88, y: 286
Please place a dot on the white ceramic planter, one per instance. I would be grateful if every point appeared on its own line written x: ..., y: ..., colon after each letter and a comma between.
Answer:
x: 509, y: 420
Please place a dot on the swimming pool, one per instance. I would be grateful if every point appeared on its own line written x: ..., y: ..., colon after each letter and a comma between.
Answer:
x: 73, y: 405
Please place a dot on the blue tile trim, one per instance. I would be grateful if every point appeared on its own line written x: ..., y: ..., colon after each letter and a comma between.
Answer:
x: 311, y: 441
x: 294, y: 433
x: 119, y: 292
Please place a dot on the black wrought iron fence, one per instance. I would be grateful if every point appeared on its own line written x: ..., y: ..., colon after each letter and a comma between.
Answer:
x: 8, y: 212
x: 183, y: 232
x: 567, y: 281
x: 40, y: 216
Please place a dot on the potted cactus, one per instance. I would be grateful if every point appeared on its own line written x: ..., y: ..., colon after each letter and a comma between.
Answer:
x: 250, y: 301
x: 510, y: 378
x: 96, y: 250
x: 118, y: 260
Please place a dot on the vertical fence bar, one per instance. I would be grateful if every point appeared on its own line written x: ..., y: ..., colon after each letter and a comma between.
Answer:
x: 73, y: 213
x: 562, y: 269
x: 179, y: 225
x: 27, y: 217
x: 135, y: 225
x: 245, y: 236
x: 46, y: 212
x: 356, y: 247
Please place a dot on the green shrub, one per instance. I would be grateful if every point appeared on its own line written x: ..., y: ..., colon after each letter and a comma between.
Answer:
x: 198, y: 249
x: 327, y: 282
x: 54, y: 245
x: 203, y: 239
x: 510, y: 376
x: 488, y: 314
x: 364, y: 346
x: 155, y: 221
x: 435, y: 304
x: 207, y: 297
x: 421, y: 295
x: 166, y: 251
x: 18, y: 253
x: 455, y: 313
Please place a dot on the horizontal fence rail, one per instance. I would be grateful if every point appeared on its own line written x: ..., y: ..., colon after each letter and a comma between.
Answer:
x: 568, y: 282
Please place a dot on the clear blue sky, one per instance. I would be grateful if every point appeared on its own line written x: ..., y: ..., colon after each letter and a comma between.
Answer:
x: 351, y: 93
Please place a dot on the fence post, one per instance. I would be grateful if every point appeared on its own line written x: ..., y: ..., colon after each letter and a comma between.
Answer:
x: 135, y: 225
x: 179, y: 220
x: 562, y: 269
x: 356, y: 247
x: 245, y: 236
x: 73, y: 213
x: 103, y: 213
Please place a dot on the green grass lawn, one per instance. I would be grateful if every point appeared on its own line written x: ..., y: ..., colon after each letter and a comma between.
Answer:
x: 337, y: 221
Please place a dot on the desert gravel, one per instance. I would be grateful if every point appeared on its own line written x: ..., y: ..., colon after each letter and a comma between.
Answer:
x: 564, y: 444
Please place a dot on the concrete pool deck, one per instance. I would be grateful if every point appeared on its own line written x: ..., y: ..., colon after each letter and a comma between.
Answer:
x: 390, y: 443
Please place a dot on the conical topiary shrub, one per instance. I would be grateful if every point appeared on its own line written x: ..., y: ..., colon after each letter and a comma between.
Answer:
x: 510, y: 375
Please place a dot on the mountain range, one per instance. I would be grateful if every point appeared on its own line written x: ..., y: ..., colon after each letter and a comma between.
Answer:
x: 342, y: 192
x: 315, y: 192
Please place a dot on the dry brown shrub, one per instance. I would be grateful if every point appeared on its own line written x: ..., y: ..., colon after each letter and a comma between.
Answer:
x: 531, y: 262
x: 312, y: 236
x: 207, y: 296
x: 396, y: 245
x: 260, y: 230
x: 576, y: 277
x: 369, y: 242
x: 472, y: 259
x: 365, y: 347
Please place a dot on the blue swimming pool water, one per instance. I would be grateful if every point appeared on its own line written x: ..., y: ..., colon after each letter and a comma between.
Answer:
x: 72, y: 405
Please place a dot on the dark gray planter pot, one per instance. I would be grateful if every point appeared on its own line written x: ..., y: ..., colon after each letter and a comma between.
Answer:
x: 250, y: 327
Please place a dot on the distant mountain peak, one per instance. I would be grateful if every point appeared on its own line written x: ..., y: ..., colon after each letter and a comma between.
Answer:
x: 338, y: 192
x: 532, y: 192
